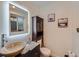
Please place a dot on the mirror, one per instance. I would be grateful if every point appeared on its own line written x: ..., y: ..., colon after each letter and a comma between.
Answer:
x: 18, y: 20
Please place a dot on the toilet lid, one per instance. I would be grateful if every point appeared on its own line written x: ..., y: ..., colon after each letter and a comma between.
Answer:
x: 45, y: 51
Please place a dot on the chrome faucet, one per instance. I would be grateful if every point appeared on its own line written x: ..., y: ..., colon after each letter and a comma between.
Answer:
x: 3, y: 37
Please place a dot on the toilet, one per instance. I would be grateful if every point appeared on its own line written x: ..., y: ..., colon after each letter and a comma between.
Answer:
x: 45, y: 52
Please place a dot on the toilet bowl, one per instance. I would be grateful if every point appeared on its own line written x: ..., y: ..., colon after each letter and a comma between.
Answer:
x: 45, y: 52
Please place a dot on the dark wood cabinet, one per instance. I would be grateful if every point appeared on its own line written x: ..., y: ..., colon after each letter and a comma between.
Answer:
x: 37, y: 28
x: 31, y: 53
x: 35, y: 52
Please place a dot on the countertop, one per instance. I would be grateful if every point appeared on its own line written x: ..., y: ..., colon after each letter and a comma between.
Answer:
x: 29, y: 46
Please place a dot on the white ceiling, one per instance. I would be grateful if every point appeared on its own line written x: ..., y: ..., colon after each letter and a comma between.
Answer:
x: 36, y: 3
x: 44, y: 4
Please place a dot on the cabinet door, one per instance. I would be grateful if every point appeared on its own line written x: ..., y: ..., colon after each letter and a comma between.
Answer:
x: 35, y: 52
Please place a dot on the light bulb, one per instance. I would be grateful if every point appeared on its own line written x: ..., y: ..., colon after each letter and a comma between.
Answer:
x: 13, y: 6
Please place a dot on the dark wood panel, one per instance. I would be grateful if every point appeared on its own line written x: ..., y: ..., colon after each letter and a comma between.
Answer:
x: 37, y: 29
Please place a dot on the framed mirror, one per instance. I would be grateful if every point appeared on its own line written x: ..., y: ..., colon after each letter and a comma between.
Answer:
x: 18, y: 20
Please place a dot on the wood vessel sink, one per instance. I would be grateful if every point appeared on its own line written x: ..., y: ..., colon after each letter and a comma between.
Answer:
x: 12, y: 48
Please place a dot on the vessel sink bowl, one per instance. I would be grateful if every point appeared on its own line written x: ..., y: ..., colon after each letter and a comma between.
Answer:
x: 12, y: 49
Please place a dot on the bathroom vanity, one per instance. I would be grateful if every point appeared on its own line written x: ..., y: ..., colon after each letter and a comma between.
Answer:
x: 31, y: 53
x: 31, y: 50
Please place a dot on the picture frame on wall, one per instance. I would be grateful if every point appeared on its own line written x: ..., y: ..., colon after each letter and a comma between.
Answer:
x: 51, y: 17
x: 63, y: 22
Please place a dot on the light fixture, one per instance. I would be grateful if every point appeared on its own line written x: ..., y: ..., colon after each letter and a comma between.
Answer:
x: 13, y: 6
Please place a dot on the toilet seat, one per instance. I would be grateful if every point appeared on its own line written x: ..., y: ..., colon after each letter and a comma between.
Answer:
x: 45, y: 51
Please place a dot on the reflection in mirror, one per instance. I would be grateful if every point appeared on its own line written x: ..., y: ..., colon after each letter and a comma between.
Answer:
x: 18, y: 20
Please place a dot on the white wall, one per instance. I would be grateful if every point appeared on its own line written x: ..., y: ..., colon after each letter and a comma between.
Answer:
x: 75, y: 36
x: 3, y: 19
x: 61, y: 40
x: 1, y: 8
